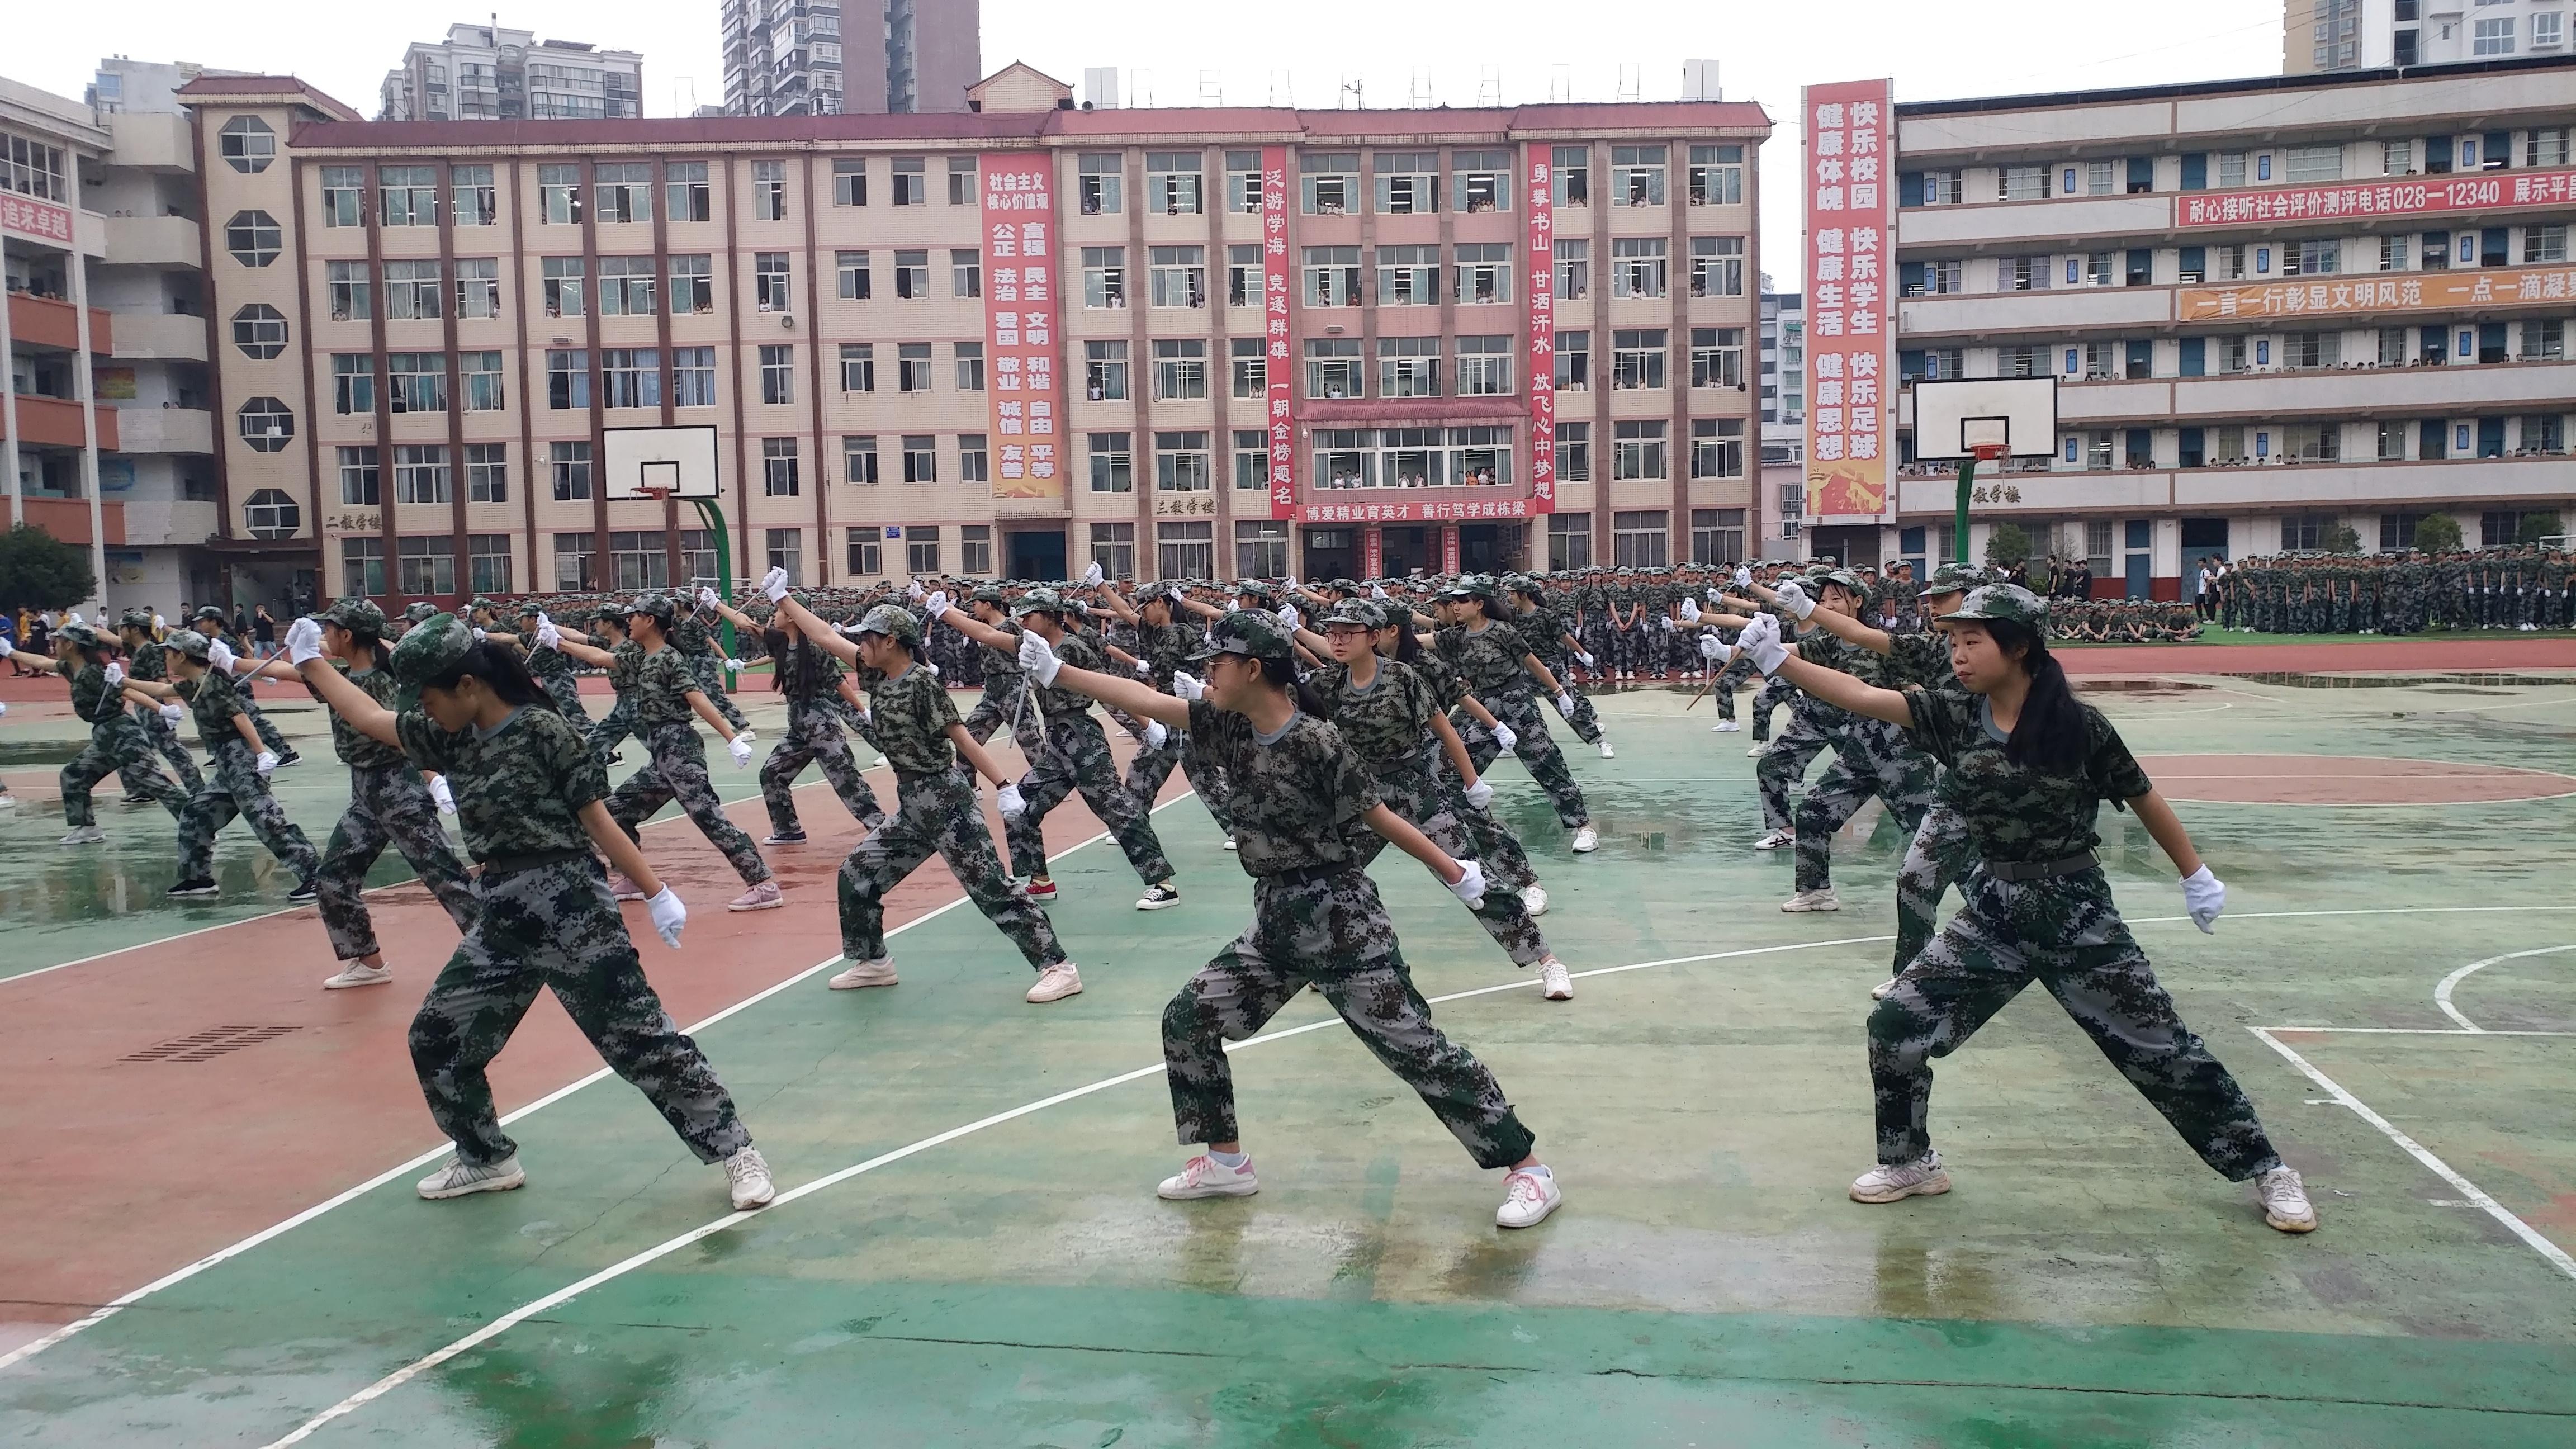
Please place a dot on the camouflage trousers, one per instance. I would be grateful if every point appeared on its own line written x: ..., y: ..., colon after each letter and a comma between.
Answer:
x: 936, y: 814
x: 1518, y: 711
x: 388, y: 805
x: 1774, y: 693
x: 1151, y: 767
x: 1938, y: 855
x: 269, y: 738
x: 117, y: 746
x: 1738, y: 670
x: 1586, y: 722
x: 555, y: 927
x: 1785, y: 763
x: 814, y: 738
x: 1435, y: 805
x: 708, y: 671
x: 1871, y: 758
x: 1074, y: 756
x: 565, y: 691
x: 236, y: 788
x: 679, y: 772
x: 1329, y: 929
x: 612, y: 729
x: 2065, y: 934
x: 1001, y: 706
x: 1495, y: 847
x: 164, y: 738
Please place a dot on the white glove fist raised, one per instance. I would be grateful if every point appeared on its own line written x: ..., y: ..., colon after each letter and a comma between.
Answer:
x: 303, y: 642
x: 548, y: 636
x: 1038, y: 658
x: 115, y: 673
x: 1288, y: 616
x: 668, y: 917
x: 773, y: 585
x: 1761, y: 640
x: 1715, y: 649
x: 1188, y: 686
x: 708, y: 598
x: 1743, y: 579
x: 220, y: 656
x: 1690, y: 611
x: 938, y: 604
x: 1793, y: 597
x: 2204, y: 895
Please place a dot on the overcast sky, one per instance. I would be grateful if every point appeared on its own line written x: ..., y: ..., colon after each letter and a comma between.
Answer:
x: 1241, y: 53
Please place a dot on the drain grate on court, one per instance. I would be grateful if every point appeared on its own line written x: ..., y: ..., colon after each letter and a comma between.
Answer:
x: 205, y: 1046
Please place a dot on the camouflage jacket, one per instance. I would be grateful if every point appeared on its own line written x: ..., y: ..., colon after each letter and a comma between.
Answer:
x: 1078, y: 651
x: 1164, y: 648
x: 660, y: 692
x: 1386, y: 723
x: 1922, y: 659
x: 1544, y: 630
x: 1297, y: 797
x: 690, y: 635
x: 357, y: 749
x: 519, y: 790
x: 2017, y: 812
x: 1002, y: 666
x: 1489, y: 659
x: 92, y: 700
x: 150, y: 662
x: 625, y: 662
x: 213, y: 699
x: 1446, y: 686
x: 912, y: 714
x: 547, y: 663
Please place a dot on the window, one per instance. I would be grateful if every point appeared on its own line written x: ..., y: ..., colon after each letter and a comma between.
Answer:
x: 561, y: 285
x: 1113, y: 468
x: 2545, y: 145
x: 353, y: 383
x: 487, y: 474
x: 567, y: 380
x: 571, y: 471
x: 359, y: 477
x: 1574, y: 362
x: 412, y: 289
x: 2544, y: 433
x: 777, y: 373
x: 638, y: 560
x: 630, y: 377
x: 1717, y: 357
x: 1637, y: 359
x: 266, y: 424
x: 1104, y: 370
x: 1484, y: 366
x: 420, y: 473
x: 1717, y: 176
x: 859, y: 463
x: 692, y: 283
x: 1243, y: 181
x: 965, y: 272
x: 1251, y: 460
x: 2303, y: 532
x: 1940, y: 188
x: 961, y: 181
x: 247, y: 143
x: 2312, y: 443
x: 974, y: 465
x: 428, y: 564
x: 478, y: 287
x: 1333, y: 367
x: 1181, y: 463
x: 253, y: 238
x: 1261, y: 549
x: 779, y: 475
x: 559, y: 195
x: 970, y: 366
x: 1331, y: 181
x: 2312, y: 349
x: 2021, y: 274
x: 1483, y: 180
x: 1717, y: 266
x: 1717, y: 535
x: 1573, y: 179
x: 858, y: 367
x: 271, y: 513
x: 1639, y: 449
x: 1408, y: 182
x: 920, y: 458
x: 470, y: 193
x: 2544, y: 339
x: 850, y: 182
x: 1185, y: 550
x: 626, y: 286
x: 693, y: 377
x: 362, y: 564
x: 852, y: 270
x: 684, y: 191
x: 416, y: 382
x: 1113, y: 547
x: 1333, y: 276
x: 2492, y: 37
x: 1573, y: 268
x: 769, y: 190
x: 921, y: 549
x: 1172, y: 182
x: 1176, y: 276
x: 344, y: 196
x: 572, y: 562
x: 1569, y: 541
x: 1251, y: 367
x: 259, y: 330
x: 1484, y: 272
x: 1638, y: 540
x: 770, y: 281
x: 2021, y: 183
x: 786, y: 550
x: 2548, y: 32
x: 2544, y: 243
x: 1408, y: 367
x: 1104, y: 276
x: 911, y: 182
x: 1637, y: 176
x: 1180, y: 367
x: 2312, y: 257
x: 407, y: 195
x: 1100, y: 175
x: 1637, y: 266
x: 1408, y: 276
x: 2397, y: 531
x: 1574, y: 454
x: 912, y: 367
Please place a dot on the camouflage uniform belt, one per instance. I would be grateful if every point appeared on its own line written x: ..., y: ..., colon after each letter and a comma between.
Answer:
x: 501, y: 865
x: 1316, y: 873
x: 2039, y: 869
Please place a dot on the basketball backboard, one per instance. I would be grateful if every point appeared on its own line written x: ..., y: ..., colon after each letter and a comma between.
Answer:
x: 648, y: 462
x: 1953, y: 419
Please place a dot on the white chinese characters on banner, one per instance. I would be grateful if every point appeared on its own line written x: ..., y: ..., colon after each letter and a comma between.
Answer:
x: 1540, y: 197
x: 1277, y: 369
x: 1020, y: 343
x: 1851, y: 334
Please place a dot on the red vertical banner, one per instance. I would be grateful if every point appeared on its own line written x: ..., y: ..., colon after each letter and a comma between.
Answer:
x: 1372, y: 553
x: 1448, y: 548
x: 1278, y: 365
x: 1022, y: 292
x: 1851, y: 329
x: 1540, y: 201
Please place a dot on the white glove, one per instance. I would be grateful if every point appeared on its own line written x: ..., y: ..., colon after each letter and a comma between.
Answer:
x: 1480, y: 794
x: 548, y: 636
x: 4, y: 708
x: 1188, y: 686
x: 749, y: 737
x: 439, y: 792
x: 668, y: 917
x: 1743, y: 580
x: 1470, y: 886
x: 1008, y: 800
x: 1761, y: 639
x: 1583, y: 659
x: 1288, y: 616
x: 1233, y: 604
x: 266, y: 764
x: 1793, y: 597
x: 220, y: 656
x: 303, y: 642
x: 938, y: 604
x: 1155, y: 734
x: 1565, y: 704
x: 1690, y: 611
x: 1377, y: 591
x: 773, y: 585
x: 2204, y: 895
x: 115, y: 674
x: 1292, y: 583
x: 933, y: 668
x: 5, y: 648
x: 1038, y: 658
x: 1504, y: 739
x: 1715, y: 650
x: 173, y: 713
x: 478, y: 632
x: 734, y: 664
x: 75, y: 618
x: 912, y: 590
x: 740, y: 748
x: 1091, y: 576
x: 708, y: 598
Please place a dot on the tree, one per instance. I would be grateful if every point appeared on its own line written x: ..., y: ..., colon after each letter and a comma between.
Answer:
x: 2437, y: 533
x: 40, y: 571
x: 2341, y: 539
x: 2007, y: 545
x: 2535, y: 527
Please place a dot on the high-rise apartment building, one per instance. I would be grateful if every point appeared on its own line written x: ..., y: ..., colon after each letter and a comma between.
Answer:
x: 1781, y: 500
x: 487, y: 73
x: 2348, y: 35
x: 827, y: 57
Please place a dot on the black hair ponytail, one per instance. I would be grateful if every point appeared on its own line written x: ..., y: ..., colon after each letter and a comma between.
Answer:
x: 1408, y: 644
x: 2051, y: 733
x: 501, y: 672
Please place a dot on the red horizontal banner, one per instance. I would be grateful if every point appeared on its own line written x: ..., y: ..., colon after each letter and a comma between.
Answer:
x: 2395, y: 196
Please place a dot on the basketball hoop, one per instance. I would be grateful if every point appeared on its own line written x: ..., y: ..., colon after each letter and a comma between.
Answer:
x: 1987, y: 452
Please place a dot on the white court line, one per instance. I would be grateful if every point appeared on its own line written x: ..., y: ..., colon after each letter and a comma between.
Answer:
x: 2442, y: 993
x: 2530, y: 1236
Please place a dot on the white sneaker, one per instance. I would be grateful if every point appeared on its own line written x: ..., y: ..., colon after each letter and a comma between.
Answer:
x: 460, y: 1177
x: 1529, y: 1198
x: 1554, y: 982
x: 1608, y: 753
x: 1879, y: 992
x: 1229, y: 843
x: 2285, y: 1201
x: 8, y: 801
x: 1728, y: 726
x: 1776, y: 839
x: 84, y: 835
x: 879, y: 972
x: 1758, y: 751
x: 1534, y: 900
x: 1586, y: 840
x: 1923, y: 1177
x: 747, y: 1175
x: 1204, y: 1176
x: 1817, y: 900
x: 1158, y: 897
x: 1056, y: 982
x: 359, y: 973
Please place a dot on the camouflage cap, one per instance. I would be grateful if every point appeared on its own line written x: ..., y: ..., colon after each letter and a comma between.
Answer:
x: 358, y: 616
x: 1343, y: 586
x: 190, y: 643
x: 82, y: 635
x: 430, y: 650
x: 480, y: 602
x: 1038, y: 601
x: 988, y: 594
x: 134, y: 619
x: 1844, y: 577
x: 2002, y: 601
x: 1253, y: 634
x: 1955, y: 578
x: 1255, y: 589
x: 1354, y: 613
x: 658, y: 606
x: 893, y: 623
x: 421, y: 613
x: 1159, y: 589
x: 205, y: 612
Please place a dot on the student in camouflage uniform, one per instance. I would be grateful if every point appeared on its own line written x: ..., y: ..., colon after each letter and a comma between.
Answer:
x: 117, y: 744
x: 666, y: 696
x: 820, y: 702
x: 936, y: 809
x: 608, y: 635
x: 237, y: 784
x: 1505, y: 861
x: 1074, y: 755
x: 2028, y: 767
x: 531, y: 799
x: 1498, y: 666
x: 1304, y: 802
x: 1552, y: 639
x: 553, y: 670
x: 706, y: 668
x: 1004, y: 685
x: 145, y: 661
x: 1163, y: 640
x: 222, y: 651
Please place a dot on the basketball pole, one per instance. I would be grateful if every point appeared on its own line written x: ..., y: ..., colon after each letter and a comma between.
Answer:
x: 724, y: 569
x: 1967, y: 480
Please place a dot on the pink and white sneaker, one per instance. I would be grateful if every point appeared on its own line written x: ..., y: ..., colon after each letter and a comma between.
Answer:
x: 762, y: 897
x: 1204, y: 1176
